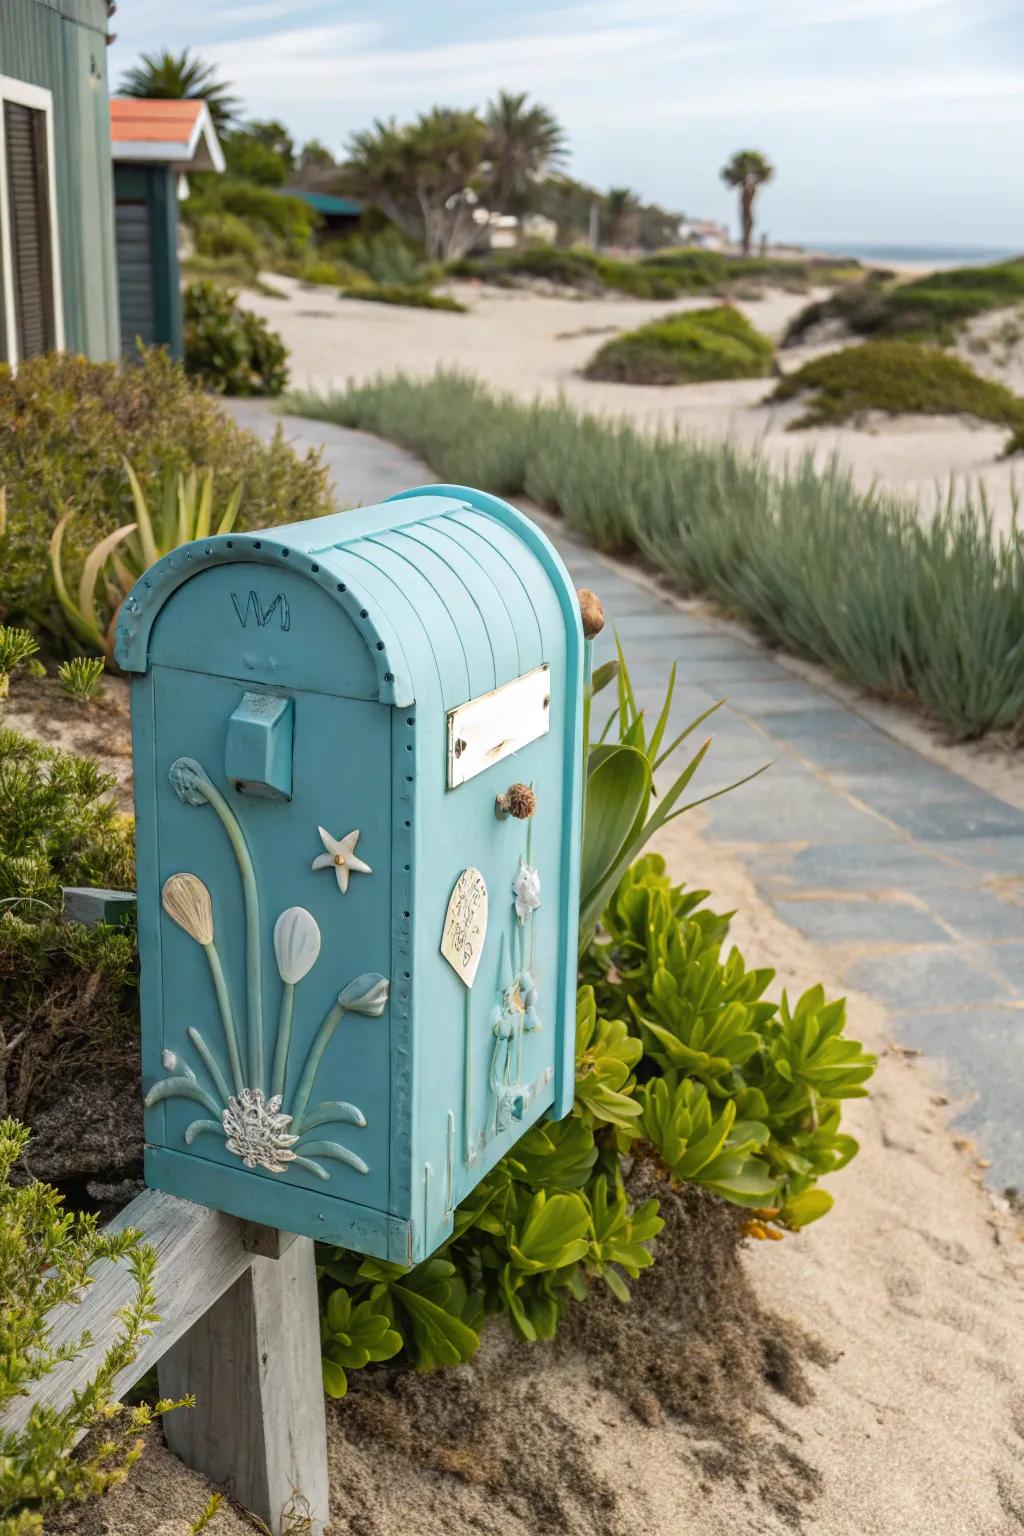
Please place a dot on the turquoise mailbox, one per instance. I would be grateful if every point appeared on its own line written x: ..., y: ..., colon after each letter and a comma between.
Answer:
x: 357, y: 748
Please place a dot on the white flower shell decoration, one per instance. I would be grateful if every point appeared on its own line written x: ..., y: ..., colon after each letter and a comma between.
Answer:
x: 296, y: 944
x: 257, y: 1132
x: 526, y: 888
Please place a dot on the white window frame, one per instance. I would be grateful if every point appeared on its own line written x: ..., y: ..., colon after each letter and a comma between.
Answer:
x: 40, y: 100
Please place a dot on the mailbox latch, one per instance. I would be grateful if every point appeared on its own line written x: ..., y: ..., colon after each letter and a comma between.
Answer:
x: 258, y: 751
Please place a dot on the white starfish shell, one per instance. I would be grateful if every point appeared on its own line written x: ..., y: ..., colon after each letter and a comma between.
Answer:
x: 340, y: 856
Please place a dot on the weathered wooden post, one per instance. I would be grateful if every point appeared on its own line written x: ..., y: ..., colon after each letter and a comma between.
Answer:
x: 354, y: 999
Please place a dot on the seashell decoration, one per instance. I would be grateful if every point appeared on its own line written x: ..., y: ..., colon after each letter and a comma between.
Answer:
x: 296, y: 944
x: 186, y: 901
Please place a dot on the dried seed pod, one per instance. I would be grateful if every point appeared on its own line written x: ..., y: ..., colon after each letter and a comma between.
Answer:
x: 187, y: 902
x: 518, y: 800
x: 591, y: 612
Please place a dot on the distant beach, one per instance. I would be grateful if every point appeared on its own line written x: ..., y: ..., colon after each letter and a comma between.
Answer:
x: 914, y: 255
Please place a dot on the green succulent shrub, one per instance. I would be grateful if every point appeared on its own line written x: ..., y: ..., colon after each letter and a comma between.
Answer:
x: 229, y: 349
x: 46, y: 1254
x: 68, y: 993
x: 930, y: 308
x: 17, y: 647
x: 896, y: 377
x: 66, y: 427
x: 679, y: 1060
x: 934, y: 617
x: 81, y: 677
x: 696, y: 345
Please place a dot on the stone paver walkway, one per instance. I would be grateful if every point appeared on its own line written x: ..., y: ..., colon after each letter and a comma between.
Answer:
x: 913, y: 874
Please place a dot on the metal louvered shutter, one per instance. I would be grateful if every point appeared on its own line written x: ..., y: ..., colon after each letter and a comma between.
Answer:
x: 29, y: 215
x: 135, y: 275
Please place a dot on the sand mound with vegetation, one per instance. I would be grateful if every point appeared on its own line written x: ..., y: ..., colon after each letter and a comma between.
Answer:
x: 687, y: 348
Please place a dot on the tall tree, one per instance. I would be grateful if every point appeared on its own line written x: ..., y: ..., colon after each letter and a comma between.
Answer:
x: 182, y: 76
x: 423, y: 175
x: 748, y: 170
x: 260, y: 151
x: 621, y: 211
x: 524, y: 144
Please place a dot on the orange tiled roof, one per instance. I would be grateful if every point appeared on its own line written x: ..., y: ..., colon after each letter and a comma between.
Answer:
x: 175, y: 133
x: 133, y: 120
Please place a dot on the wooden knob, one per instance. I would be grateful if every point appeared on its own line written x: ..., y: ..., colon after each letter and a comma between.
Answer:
x: 591, y: 612
x: 518, y: 800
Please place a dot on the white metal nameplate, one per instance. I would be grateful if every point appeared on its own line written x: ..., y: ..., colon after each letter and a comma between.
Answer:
x: 486, y: 729
x: 465, y: 925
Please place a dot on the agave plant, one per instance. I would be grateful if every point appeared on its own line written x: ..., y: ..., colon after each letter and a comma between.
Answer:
x: 248, y: 1106
x: 618, y: 820
x: 186, y: 513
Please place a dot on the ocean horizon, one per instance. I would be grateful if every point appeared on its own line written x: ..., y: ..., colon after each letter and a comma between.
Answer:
x: 937, y: 255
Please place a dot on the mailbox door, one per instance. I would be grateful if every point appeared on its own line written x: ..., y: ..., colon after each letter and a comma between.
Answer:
x: 297, y: 912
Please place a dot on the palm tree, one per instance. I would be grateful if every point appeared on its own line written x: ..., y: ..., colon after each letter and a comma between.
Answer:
x: 524, y: 143
x: 747, y: 170
x: 180, y: 77
x: 621, y: 208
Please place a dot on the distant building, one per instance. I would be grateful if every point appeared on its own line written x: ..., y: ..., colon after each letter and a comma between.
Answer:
x: 154, y: 145
x: 339, y: 215
x: 57, y: 277
x: 704, y: 233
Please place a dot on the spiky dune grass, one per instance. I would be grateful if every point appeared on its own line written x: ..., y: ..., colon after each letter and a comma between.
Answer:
x: 929, y: 611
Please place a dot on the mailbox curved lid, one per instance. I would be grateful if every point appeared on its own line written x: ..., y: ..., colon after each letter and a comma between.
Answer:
x: 440, y: 576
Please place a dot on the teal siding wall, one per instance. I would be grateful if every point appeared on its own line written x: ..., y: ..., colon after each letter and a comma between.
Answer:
x: 60, y: 45
x: 146, y: 219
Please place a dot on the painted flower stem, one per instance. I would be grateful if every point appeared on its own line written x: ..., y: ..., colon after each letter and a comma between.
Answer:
x: 309, y: 1071
x: 284, y: 1038
x: 198, y: 1127
x: 250, y: 892
x: 183, y: 1088
x: 227, y: 1015
x: 310, y: 1166
x: 334, y: 1150
x: 210, y: 1063
x: 333, y: 1110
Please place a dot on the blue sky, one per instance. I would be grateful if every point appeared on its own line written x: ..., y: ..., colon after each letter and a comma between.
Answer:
x: 896, y: 121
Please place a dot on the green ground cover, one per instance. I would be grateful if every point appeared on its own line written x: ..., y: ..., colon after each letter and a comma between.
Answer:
x: 929, y: 308
x: 666, y: 274
x: 933, y: 617
x: 897, y: 377
x: 698, y: 344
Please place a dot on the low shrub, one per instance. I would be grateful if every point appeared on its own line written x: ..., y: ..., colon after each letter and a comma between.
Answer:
x: 219, y: 235
x: 228, y: 349
x: 277, y: 220
x: 46, y: 1254
x: 68, y: 998
x: 698, y: 344
x: 935, y: 616
x: 385, y: 257
x: 666, y: 274
x: 393, y: 293
x: 66, y: 426
x: 929, y: 308
x: 898, y: 377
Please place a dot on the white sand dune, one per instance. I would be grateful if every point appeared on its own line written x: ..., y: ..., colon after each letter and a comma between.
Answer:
x: 533, y: 345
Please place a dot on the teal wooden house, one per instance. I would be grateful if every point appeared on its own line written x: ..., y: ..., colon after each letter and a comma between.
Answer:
x: 357, y: 750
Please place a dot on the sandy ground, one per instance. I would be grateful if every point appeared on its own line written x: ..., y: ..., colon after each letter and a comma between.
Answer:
x: 536, y: 345
x: 911, y: 1424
